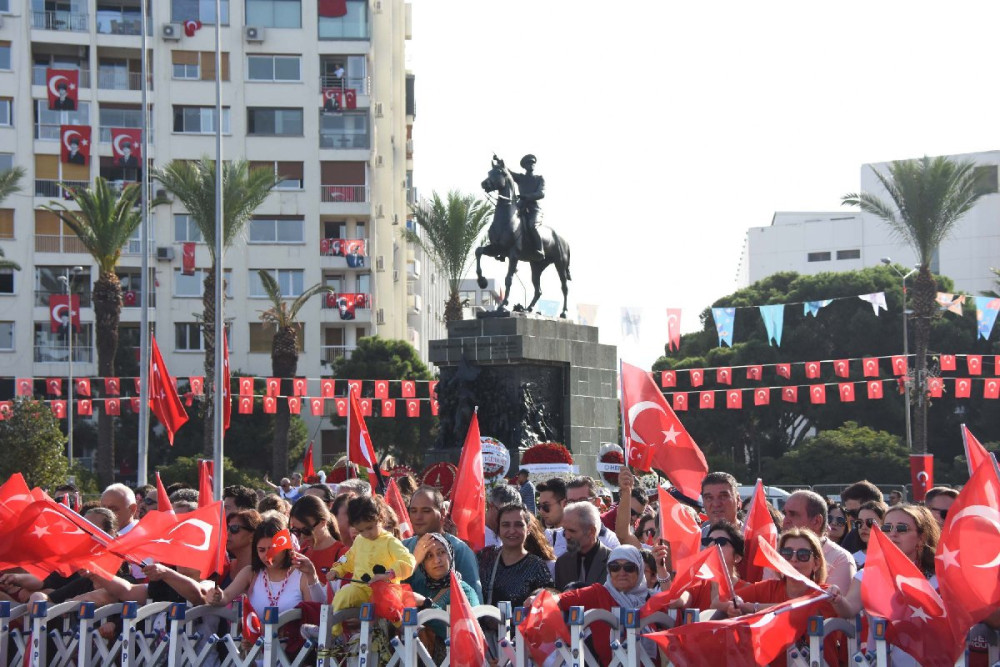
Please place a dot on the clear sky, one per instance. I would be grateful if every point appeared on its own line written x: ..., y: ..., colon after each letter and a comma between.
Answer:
x: 665, y: 129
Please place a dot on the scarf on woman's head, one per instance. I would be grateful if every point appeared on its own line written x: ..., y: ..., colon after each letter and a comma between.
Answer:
x: 435, y: 585
x: 637, y: 596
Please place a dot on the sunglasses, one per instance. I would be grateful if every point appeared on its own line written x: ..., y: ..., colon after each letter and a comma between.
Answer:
x: 871, y: 523
x: 942, y: 513
x: 649, y: 532
x: 236, y: 528
x: 899, y: 528
x: 721, y: 541
x: 307, y: 532
x: 837, y: 520
x: 802, y: 555
x: 545, y: 507
x: 630, y: 568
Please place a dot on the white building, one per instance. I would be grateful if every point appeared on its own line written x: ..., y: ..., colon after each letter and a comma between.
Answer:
x: 846, y: 240
x: 426, y: 295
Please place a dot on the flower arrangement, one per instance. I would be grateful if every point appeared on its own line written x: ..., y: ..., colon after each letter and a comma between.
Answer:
x: 610, y: 453
x: 547, y: 452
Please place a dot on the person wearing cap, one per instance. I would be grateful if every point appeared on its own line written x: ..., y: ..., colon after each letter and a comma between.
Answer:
x: 526, y: 489
x: 64, y: 102
x: 74, y: 156
x: 530, y: 189
x: 127, y: 159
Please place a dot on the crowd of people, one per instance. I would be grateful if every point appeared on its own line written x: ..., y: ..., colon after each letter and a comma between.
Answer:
x: 560, y: 536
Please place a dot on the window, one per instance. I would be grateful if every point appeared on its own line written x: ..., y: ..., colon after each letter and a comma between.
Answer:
x: 344, y: 72
x: 47, y: 122
x: 131, y: 283
x: 202, y: 10
x: 364, y: 283
x: 274, y: 68
x: 187, y: 337
x: 198, y: 120
x: 47, y: 283
x: 849, y: 254
x: 986, y: 179
x: 353, y: 25
x: 819, y: 257
x: 6, y: 161
x: 187, y: 71
x: 6, y: 281
x: 4, y: 5
x: 277, y: 230
x: 486, y: 298
x: 335, y: 281
x: 53, y: 346
x: 6, y: 223
x: 186, y: 230
x: 112, y: 115
x: 467, y: 298
x: 194, y: 286
x: 290, y: 282
x: 334, y: 229
x: 275, y: 13
x: 346, y: 130
x: 4, y: 50
x: 274, y: 122
x: 6, y: 111
x: 197, y: 65
x: 291, y: 173
x: 6, y: 336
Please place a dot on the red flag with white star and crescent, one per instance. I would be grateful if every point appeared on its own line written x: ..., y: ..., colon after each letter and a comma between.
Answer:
x: 163, y: 398
x: 360, y: 449
x: 191, y: 540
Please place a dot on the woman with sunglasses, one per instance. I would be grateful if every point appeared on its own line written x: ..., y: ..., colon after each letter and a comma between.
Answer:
x: 312, y: 524
x: 239, y: 542
x: 839, y: 524
x: 871, y: 513
x: 625, y: 587
x: 728, y: 537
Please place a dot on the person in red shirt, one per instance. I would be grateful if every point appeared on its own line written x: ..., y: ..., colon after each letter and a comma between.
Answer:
x: 312, y: 524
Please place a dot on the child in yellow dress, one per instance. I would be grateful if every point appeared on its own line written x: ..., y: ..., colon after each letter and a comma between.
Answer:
x: 375, y: 556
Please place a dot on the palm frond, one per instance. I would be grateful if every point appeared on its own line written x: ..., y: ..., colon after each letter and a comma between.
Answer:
x: 309, y: 293
x: 450, y: 230
x: 8, y: 263
x: 10, y: 181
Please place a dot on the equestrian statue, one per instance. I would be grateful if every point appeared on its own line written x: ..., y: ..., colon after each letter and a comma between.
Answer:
x: 515, y: 234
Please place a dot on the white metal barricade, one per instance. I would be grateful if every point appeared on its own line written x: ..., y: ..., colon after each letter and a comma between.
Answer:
x: 93, y: 649
x: 143, y: 644
x: 13, y: 637
x: 63, y: 634
x: 328, y: 618
x: 194, y: 638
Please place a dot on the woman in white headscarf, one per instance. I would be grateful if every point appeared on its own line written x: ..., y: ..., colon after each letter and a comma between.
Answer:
x: 624, y: 587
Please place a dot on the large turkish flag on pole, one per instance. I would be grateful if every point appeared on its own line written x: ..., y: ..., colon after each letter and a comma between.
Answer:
x: 468, y: 496
x: 655, y: 437
x: 360, y: 449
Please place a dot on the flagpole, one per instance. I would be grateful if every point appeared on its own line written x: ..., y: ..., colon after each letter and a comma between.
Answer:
x: 144, y: 287
x: 347, y: 440
x: 219, y: 324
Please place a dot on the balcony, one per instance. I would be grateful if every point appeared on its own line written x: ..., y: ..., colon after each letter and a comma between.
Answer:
x: 53, y: 190
x: 414, y: 303
x: 109, y: 78
x: 344, y: 194
x: 342, y: 141
x: 58, y: 244
x: 38, y: 76
x: 121, y: 23
x: 104, y: 134
x: 330, y: 353
x: 413, y: 269
x: 62, y: 21
x: 360, y: 84
x: 60, y: 353
x: 133, y: 299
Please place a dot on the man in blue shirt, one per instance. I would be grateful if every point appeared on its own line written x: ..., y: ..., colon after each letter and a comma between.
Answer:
x: 527, y: 490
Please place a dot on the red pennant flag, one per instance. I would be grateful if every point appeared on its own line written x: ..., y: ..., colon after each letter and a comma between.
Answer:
x: 975, y: 453
x: 668, y: 379
x: 435, y: 407
x: 112, y: 407
x: 112, y: 387
x: 192, y: 540
x: 655, y: 436
x: 724, y: 375
x: 963, y: 388
x: 84, y: 407
x: 874, y: 389
x: 308, y: 470
x: 294, y: 405
x: 734, y: 399
x: 673, y: 329
x: 432, y: 388
x: 790, y: 394
x: 163, y: 398
x: 83, y: 386
x: 468, y: 646
x: 991, y: 389
x: 326, y: 388
x: 227, y: 400
x: 187, y: 259
x: 894, y: 589
x: 762, y: 396
x: 870, y: 365
x: 409, y: 389
x: 697, y: 377
x: 341, y: 404
x: 197, y: 385
x: 543, y: 626
x: 412, y: 407
x: 381, y: 389
x: 679, y: 528
x: 755, y: 372
x: 317, y: 406
x: 395, y: 500
x: 6, y: 409
x: 468, y: 507
x: 206, y: 472
x: 251, y: 621
x: 758, y: 525
x: 163, y: 503
x: 282, y: 541
x: 846, y: 392
x: 366, y: 407
x: 842, y: 368
x: 975, y: 364
x: 138, y: 385
x: 54, y: 386
x: 899, y: 365
x: 921, y: 474
x: 817, y: 394
x: 246, y: 405
x: 59, y: 409
x: 270, y: 405
x: 25, y: 387
x: 948, y: 362
x: 354, y: 386
x: 702, y: 569
x: 681, y: 402
x: 812, y: 369
x: 134, y: 404
x: 389, y: 408
x: 272, y: 386
x: 299, y: 386
x: 360, y: 449
x: 784, y: 370
x: 246, y: 386
x: 935, y: 387
x: 706, y: 400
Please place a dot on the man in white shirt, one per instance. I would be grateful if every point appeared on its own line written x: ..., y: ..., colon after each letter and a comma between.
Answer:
x: 581, y: 489
x: 807, y: 509
x: 121, y: 501
x: 498, y: 498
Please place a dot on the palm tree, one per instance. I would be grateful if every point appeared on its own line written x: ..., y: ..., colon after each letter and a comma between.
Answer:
x: 9, y: 181
x: 929, y: 197
x: 284, y: 356
x: 104, y: 224
x: 243, y: 191
x: 450, y: 230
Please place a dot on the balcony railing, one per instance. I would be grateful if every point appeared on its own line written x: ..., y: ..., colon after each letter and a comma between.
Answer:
x: 50, y: 188
x: 133, y: 299
x: 344, y: 194
x: 333, y: 352
x: 60, y: 353
x: 67, y: 21
x: 109, y: 78
x: 360, y: 84
x: 134, y: 247
x: 104, y: 133
x: 58, y: 243
x: 343, y: 141
x: 38, y: 75
x: 121, y: 23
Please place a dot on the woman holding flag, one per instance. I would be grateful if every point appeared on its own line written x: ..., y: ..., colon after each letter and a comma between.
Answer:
x: 310, y: 522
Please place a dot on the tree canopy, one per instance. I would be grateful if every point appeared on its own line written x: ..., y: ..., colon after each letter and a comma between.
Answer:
x: 32, y: 444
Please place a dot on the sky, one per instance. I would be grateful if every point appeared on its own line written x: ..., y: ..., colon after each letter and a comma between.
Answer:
x: 666, y: 129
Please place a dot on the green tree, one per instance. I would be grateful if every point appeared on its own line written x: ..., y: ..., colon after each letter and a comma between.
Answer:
x: 929, y: 197
x: 450, y: 230
x: 104, y: 223
x: 32, y: 444
x: 9, y: 184
x: 378, y: 358
x: 243, y: 191
x: 185, y: 469
x: 284, y: 357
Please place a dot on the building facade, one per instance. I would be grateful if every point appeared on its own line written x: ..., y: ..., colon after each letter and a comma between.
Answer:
x: 317, y: 92
x: 846, y: 240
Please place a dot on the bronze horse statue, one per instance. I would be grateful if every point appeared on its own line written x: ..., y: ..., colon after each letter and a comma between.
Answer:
x: 504, y: 234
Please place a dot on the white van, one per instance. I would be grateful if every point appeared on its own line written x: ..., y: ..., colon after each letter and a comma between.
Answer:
x: 775, y: 495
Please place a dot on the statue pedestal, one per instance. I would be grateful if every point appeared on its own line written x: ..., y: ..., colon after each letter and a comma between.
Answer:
x: 534, y: 379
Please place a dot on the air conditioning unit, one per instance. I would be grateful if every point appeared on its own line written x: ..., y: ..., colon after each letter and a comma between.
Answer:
x: 379, y: 161
x: 378, y: 6
x: 395, y: 275
x: 395, y: 219
x: 380, y: 263
x: 253, y: 33
x: 377, y: 109
x: 1, y: 21
x: 379, y: 211
x: 380, y: 316
x: 165, y: 254
x: 171, y: 31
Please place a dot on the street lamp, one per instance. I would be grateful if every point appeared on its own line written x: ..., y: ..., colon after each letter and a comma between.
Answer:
x: 66, y: 280
x: 906, y: 347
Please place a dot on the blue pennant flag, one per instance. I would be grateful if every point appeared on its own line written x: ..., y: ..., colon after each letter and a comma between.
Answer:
x: 813, y: 307
x: 724, y: 318
x: 987, y: 308
x: 774, y: 320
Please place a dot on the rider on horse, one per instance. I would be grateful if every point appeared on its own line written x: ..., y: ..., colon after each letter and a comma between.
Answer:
x: 530, y: 188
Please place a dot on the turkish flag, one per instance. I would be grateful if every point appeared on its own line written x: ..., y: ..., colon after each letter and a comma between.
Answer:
x: 251, y: 621
x: 63, y: 88
x: 922, y: 474
x: 432, y: 388
x: 206, y: 473
x: 366, y: 407
x: 6, y: 409
x: 112, y: 407
x: 326, y: 388
x: 679, y: 528
x: 435, y: 407
x: 963, y: 387
x: 543, y: 626
x: 341, y: 404
x: 767, y: 556
x: 317, y: 406
x: 246, y: 405
x: 15, y: 496
x: 706, y: 400
x: 354, y: 386
x: 975, y: 453
x: 412, y: 407
x: 84, y: 407
x: 395, y: 500
x: 724, y: 376
x: 227, y: 400
x: 468, y: 646
x: 308, y: 470
x: 846, y: 392
x: 948, y: 362
x: 332, y: 100
x: 870, y: 367
x: 842, y: 368
x: 272, y: 386
x: 697, y: 377
x: 652, y: 425
x: 59, y: 409
x: 899, y: 365
x: 332, y: 9
x: 126, y: 146
x: 270, y: 405
x: 790, y: 394
x: 812, y: 369
x: 63, y: 311
x: 360, y: 449
x: 346, y: 304
x: 112, y: 386
x: 83, y: 386
x: 755, y: 372
x: 163, y: 398
x: 350, y: 102
x: 163, y: 503
x: 734, y: 399
x: 935, y: 387
x: 673, y: 329
x: 973, y: 361
x: 468, y: 507
x: 25, y: 387
x: 894, y: 589
x: 668, y: 379
x: 706, y: 566
x: 758, y: 524
x: 409, y: 389
x: 874, y: 389
x: 138, y: 384
x: 762, y: 396
x: 817, y: 394
x: 75, y: 140
x: 784, y: 370
x: 991, y: 389
x: 197, y: 385
x: 191, y: 26
x: 190, y: 540
x: 246, y: 386
x: 381, y: 389
x: 389, y: 408
x: 282, y: 541
x: 681, y: 402
x: 187, y: 259
x: 294, y: 405
x: 134, y: 405
x: 967, y: 566
x: 299, y: 386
